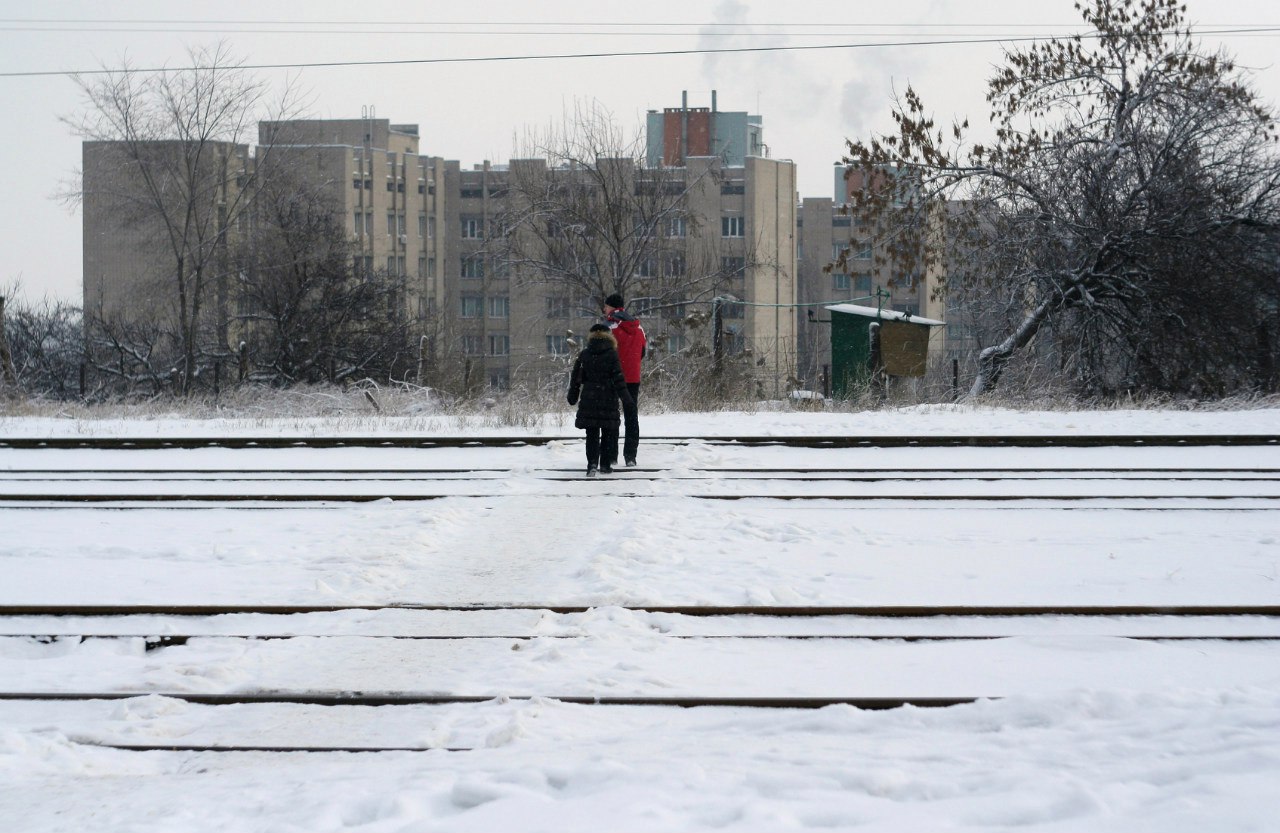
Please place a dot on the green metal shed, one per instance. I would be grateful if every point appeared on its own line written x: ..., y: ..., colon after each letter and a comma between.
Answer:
x: 851, y: 344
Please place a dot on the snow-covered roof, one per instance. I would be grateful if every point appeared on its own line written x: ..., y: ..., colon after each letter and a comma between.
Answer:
x: 885, y: 314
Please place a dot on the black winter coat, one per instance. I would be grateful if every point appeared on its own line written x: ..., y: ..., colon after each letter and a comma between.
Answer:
x: 597, y: 384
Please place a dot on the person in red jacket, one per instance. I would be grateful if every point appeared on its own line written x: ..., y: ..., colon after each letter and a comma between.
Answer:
x: 631, y: 349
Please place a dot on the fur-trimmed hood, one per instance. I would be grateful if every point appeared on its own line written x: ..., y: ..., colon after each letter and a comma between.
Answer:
x: 601, y: 340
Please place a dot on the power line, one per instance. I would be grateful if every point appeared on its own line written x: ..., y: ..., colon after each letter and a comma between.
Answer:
x: 547, y: 23
x: 614, y: 24
x: 582, y: 55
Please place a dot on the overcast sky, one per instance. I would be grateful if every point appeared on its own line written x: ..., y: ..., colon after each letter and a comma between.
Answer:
x: 810, y: 100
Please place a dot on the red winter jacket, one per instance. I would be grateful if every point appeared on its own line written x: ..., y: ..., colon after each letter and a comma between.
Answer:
x: 631, y: 342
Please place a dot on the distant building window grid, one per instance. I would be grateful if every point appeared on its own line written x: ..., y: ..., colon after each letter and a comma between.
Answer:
x: 558, y: 306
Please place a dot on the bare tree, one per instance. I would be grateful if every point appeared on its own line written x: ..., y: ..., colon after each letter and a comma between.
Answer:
x: 40, y: 346
x: 584, y: 214
x: 307, y: 313
x: 167, y: 163
x: 1129, y: 204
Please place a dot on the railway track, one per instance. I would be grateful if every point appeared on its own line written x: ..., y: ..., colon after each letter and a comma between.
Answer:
x: 785, y: 441
x: 139, y: 650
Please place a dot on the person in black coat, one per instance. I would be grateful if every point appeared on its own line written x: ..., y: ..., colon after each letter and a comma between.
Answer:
x: 595, y: 387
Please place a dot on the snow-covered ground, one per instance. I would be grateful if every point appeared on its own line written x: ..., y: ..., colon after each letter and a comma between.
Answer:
x: 1088, y: 730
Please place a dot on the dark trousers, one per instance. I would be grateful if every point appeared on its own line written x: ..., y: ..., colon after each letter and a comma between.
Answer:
x: 602, y: 445
x: 631, y: 416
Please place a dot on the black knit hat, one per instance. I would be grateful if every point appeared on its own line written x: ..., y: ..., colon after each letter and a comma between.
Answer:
x: 614, y: 300
x: 598, y: 328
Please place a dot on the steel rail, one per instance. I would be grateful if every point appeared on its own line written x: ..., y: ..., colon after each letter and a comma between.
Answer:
x: 360, y: 698
x: 810, y: 611
x: 154, y: 643
x: 803, y: 476
x: 408, y: 498
x: 789, y: 441
x: 958, y: 470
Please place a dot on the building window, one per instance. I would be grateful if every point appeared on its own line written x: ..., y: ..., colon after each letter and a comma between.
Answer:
x: 499, y: 345
x: 472, y: 228
x: 557, y: 306
x: 733, y: 226
x: 422, y: 225
x: 649, y: 268
x: 675, y: 266
x: 864, y: 252
x: 558, y: 345
x: 358, y: 225
x: 499, y: 379
x: 472, y: 345
x: 471, y: 193
x: 368, y: 224
x: 733, y: 188
x: 641, y: 307
x: 677, y: 227
x: 862, y: 284
x: 391, y: 222
x: 499, y: 307
x: 473, y: 266
x: 431, y: 227
x: 676, y: 343
x: 733, y: 267
x: 839, y: 281
x: 422, y: 267
x: 733, y: 311
x: 472, y: 306
x: 391, y: 265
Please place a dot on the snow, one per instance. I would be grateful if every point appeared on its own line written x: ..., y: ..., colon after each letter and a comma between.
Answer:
x: 886, y: 314
x: 1086, y: 728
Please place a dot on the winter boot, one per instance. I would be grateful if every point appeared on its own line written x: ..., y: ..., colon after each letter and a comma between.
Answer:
x: 591, y: 471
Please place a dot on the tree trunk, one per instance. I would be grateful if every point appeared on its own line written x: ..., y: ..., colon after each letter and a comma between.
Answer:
x: 992, y: 360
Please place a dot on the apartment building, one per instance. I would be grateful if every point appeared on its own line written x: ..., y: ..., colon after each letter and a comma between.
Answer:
x: 734, y: 239
x: 386, y: 190
x: 428, y: 219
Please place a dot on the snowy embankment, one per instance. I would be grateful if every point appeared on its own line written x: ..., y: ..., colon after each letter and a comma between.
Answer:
x: 1093, y: 730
